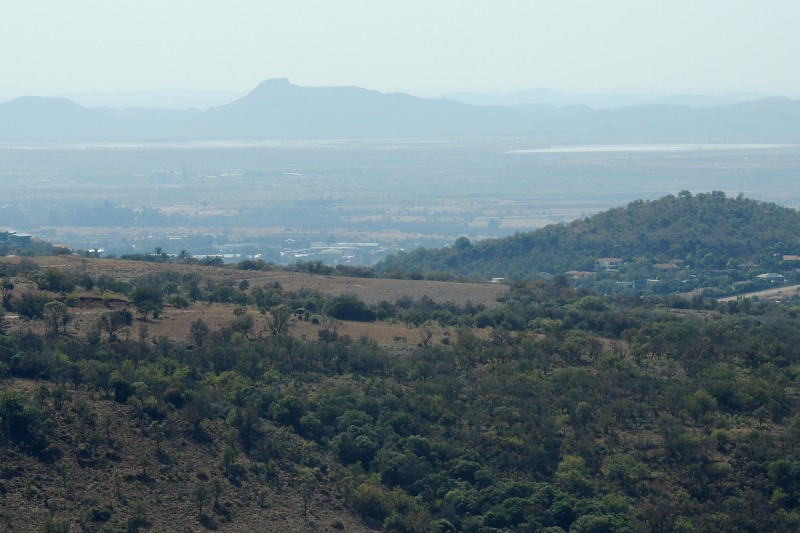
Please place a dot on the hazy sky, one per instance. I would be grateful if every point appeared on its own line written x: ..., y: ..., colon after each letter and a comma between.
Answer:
x: 425, y: 47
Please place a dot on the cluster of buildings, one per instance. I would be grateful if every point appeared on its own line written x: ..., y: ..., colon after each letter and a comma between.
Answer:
x: 14, y: 238
x: 663, y: 273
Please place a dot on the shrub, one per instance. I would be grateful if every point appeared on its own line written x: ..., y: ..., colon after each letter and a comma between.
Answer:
x: 52, y: 279
x: 348, y: 307
x: 369, y: 500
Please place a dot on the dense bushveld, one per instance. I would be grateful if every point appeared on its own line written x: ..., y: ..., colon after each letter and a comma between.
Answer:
x: 556, y: 410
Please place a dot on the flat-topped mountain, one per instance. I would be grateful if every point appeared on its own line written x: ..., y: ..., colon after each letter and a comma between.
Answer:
x: 278, y: 109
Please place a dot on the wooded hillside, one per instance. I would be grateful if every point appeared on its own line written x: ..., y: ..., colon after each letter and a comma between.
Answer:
x: 705, y: 231
x: 554, y: 410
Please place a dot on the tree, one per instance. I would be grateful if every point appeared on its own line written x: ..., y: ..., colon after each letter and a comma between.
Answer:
x: 199, y: 331
x: 198, y: 408
x: 278, y: 321
x: 288, y: 410
x: 426, y: 332
x: 200, y: 494
x: 56, y: 315
x: 228, y: 459
x: 148, y: 299
x: 328, y: 333
x: 243, y: 324
x: 22, y: 422
x: 6, y: 287
x: 329, y: 328
x: 216, y: 489
x: 96, y: 374
x: 571, y: 475
x: 112, y: 321
x: 371, y: 500
x: 307, y: 481
x: 52, y: 279
x: 349, y: 307
x: 158, y: 433
x: 31, y: 306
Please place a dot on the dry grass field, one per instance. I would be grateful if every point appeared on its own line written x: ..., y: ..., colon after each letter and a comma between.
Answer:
x: 175, y: 322
x: 370, y: 290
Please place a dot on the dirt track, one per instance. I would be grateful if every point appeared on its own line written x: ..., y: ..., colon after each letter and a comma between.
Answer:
x: 777, y: 292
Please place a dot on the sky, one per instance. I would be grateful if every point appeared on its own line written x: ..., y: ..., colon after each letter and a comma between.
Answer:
x: 423, y: 47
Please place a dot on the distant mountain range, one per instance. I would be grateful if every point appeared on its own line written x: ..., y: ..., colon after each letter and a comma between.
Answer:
x: 544, y: 96
x: 277, y: 109
x: 166, y: 98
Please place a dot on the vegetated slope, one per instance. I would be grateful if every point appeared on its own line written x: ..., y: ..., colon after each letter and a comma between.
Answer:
x: 557, y: 410
x: 76, y: 456
x: 576, y: 414
x: 707, y: 230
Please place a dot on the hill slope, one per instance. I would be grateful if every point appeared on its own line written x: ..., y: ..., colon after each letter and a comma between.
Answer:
x: 110, y: 467
x: 706, y: 231
x: 573, y: 412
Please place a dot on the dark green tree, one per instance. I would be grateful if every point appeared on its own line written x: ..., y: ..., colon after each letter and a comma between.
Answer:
x: 53, y: 279
x: 148, y: 299
x: 56, y: 316
x: 113, y: 321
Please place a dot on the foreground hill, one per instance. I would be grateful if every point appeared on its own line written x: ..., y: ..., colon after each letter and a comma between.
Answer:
x: 277, y: 109
x: 704, y: 231
x: 553, y: 410
x: 75, y: 457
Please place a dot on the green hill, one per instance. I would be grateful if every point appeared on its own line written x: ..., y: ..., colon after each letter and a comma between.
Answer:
x: 703, y: 231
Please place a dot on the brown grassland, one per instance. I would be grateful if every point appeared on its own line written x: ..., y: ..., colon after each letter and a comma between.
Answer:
x: 175, y: 322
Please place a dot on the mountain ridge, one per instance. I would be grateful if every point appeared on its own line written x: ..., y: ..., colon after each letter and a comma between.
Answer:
x: 610, y: 100
x: 278, y: 109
